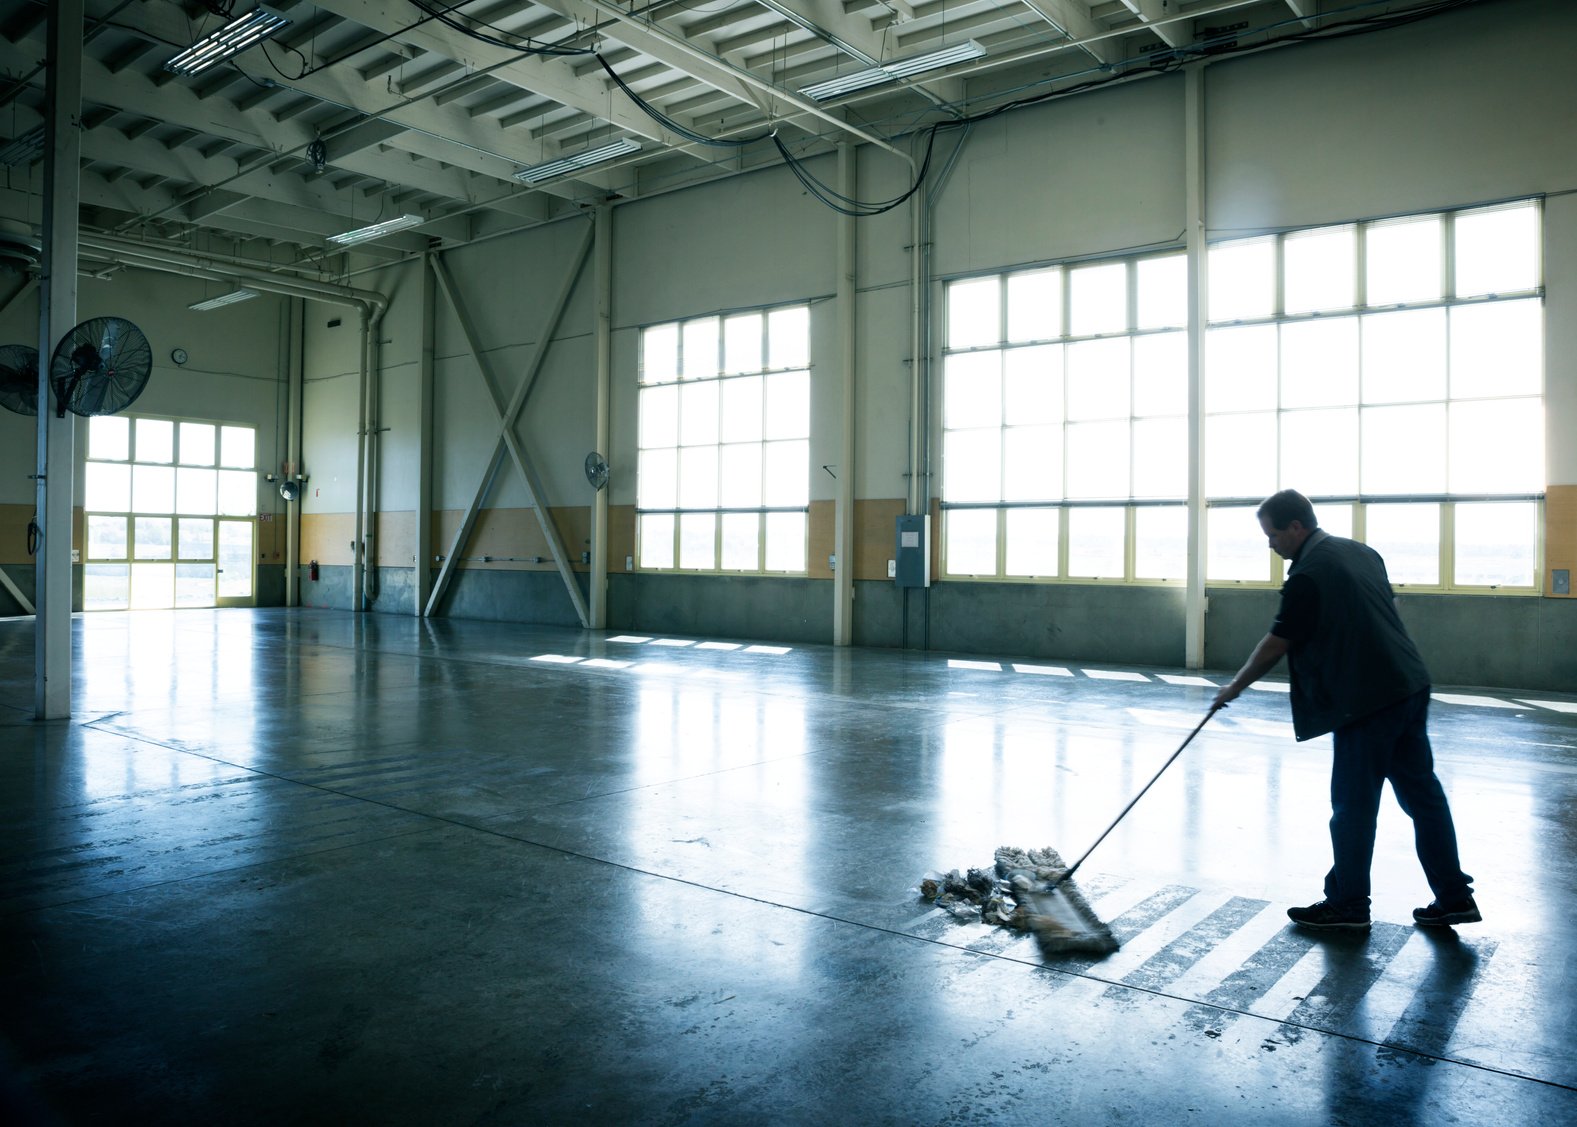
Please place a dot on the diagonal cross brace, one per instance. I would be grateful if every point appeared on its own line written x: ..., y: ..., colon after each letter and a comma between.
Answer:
x: 22, y: 600
x: 506, y: 438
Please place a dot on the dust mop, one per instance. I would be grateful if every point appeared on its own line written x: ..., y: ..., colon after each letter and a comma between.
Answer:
x: 1055, y: 911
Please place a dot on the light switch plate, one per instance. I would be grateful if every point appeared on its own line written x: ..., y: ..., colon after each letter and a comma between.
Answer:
x: 1562, y: 581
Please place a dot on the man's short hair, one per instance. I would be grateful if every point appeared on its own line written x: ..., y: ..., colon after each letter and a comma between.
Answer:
x: 1281, y: 509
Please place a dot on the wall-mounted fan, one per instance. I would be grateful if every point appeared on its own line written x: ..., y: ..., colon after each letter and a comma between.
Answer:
x: 19, y: 379
x: 596, y: 470
x: 99, y: 367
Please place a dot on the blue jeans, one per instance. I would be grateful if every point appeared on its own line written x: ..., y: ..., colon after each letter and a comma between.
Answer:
x: 1390, y: 744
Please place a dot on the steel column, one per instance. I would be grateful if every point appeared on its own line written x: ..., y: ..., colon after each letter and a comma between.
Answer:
x: 602, y: 274
x: 843, y: 509
x: 1194, y: 606
x: 296, y: 375
x: 57, y: 313
x: 422, y: 580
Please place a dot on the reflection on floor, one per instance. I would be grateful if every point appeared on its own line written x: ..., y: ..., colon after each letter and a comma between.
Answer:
x: 306, y: 866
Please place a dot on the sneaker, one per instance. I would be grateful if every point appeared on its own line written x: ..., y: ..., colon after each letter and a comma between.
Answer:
x: 1462, y: 911
x: 1324, y: 916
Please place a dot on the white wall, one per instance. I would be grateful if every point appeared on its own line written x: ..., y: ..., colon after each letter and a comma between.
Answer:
x: 234, y: 373
x: 1473, y: 106
x: 1089, y: 175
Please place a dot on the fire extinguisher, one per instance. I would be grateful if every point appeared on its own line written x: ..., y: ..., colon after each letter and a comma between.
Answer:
x: 312, y: 571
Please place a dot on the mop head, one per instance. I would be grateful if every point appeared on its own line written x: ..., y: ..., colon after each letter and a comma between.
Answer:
x: 1017, y: 893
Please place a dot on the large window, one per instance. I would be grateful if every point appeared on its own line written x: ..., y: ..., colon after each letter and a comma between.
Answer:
x: 723, y: 481
x: 1393, y: 371
x: 170, y: 507
x: 1064, y: 422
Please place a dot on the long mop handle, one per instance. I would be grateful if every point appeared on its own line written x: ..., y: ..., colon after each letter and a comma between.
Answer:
x: 1132, y: 801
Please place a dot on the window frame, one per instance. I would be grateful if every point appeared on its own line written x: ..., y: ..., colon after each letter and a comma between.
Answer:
x: 720, y: 375
x: 1064, y: 505
x: 1449, y: 401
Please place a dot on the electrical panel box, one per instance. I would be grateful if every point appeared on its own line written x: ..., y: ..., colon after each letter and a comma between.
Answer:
x: 914, y: 551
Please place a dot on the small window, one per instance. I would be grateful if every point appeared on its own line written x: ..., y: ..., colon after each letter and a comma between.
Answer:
x: 1235, y: 546
x: 1096, y: 539
x: 972, y: 542
x: 1163, y: 292
x: 974, y: 313
x: 1242, y: 280
x: 109, y: 438
x: 1497, y: 250
x: 1320, y: 269
x: 1032, y: 539
x: 1408, y: 536
x: 1404, y: 260
x: 1495, y: 544
x: 155, y: 440
x: 1035, y: 305
x: 1098, y: 299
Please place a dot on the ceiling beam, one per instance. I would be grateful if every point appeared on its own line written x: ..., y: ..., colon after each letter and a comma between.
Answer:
x: 1151, y: 13
x: 1304, y: 10
x: 174, y: 104
x: 548, y: 77
x: 342, y: 85
x: 1073, y: 20
x: 827, y: 20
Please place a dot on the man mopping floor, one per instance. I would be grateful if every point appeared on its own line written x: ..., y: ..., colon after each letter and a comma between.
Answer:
x: 1356, y: 674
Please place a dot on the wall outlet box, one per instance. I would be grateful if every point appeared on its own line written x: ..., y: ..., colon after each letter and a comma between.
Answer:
x: 892, y: 569
x: 1562, y: 581
x: 629, y: 563
x: 76, y: 555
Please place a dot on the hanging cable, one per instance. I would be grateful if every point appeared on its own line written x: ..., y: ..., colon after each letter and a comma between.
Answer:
x: 669, y: 123
x: 522, y: 43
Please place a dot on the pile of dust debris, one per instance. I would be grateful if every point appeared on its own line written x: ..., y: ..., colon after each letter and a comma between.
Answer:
x: 995, y: 896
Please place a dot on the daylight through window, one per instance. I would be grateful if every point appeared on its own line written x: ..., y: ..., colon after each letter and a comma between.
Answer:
x: 723, y: 479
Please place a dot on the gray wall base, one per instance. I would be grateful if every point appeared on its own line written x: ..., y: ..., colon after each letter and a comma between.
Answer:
x: 729, y: 606
x: 1138, y: 625
x: 1486, y: 640
x: 270, y: 581
x: 1490, y: 641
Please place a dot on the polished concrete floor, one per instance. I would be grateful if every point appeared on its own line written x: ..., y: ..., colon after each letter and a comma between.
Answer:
x: 310, y: 867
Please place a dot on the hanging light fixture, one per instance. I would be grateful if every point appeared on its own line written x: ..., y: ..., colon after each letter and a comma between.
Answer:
x: 377, y: 230
x: 236, y: 36
x: 539, y: 173
x: 892, y: 72
x: 25, y: 149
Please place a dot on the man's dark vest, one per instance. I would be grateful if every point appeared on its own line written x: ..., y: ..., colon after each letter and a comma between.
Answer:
x: 1359, y: 658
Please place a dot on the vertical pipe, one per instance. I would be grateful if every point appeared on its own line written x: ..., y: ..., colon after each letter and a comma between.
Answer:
x: 602, y: 277
x: 358, y: 543
x: 843, y: 532
x: 422, y: 578
x: 57, y: 306
x: 296, y: 361
x: 918, y: 409
x: 374, y: 454
x: 1195, y: 603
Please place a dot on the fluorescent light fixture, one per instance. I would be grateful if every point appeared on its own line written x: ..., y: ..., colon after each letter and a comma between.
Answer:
x: 892, y: 72
x: 377, y: 230
x: 25, y: 149
x: 223, y: 299
x: 231, y: 39
x: 539, y: 173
